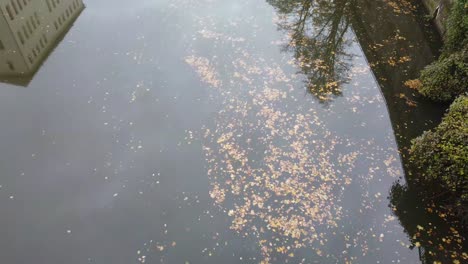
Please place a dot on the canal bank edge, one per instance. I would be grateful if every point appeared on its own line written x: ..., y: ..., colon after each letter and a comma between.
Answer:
x: 439, y: 11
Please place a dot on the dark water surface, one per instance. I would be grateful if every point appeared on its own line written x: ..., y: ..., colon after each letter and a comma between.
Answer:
x: 210, y: 131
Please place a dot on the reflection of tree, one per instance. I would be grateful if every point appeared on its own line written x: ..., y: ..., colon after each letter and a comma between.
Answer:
x: 427, y: 228
x: 317, y: 31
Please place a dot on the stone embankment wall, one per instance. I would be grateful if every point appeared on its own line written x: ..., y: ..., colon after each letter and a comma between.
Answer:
x: 439, y: 10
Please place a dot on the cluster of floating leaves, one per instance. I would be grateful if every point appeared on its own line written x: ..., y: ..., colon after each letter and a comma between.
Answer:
x: 285, y: 193
x: 204, y: 70
x: 401, y: 6
x: 276, y: 169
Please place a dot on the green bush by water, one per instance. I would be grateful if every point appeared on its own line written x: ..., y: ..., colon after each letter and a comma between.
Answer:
x: 441, y: 155
x: 446, y: 78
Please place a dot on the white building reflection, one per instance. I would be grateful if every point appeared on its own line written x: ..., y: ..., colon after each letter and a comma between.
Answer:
x: 29, y: 30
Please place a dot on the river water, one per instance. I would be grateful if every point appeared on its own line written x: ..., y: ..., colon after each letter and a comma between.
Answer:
x: 211, y: 131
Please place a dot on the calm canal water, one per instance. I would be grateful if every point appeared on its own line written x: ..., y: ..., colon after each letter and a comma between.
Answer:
x: 210, y: 131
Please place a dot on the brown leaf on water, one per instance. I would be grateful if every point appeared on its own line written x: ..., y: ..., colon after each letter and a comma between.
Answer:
x: 413, y: 84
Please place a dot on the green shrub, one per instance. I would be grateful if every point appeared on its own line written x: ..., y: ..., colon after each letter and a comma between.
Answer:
x: 441, y: 155
x: 457, y: 28
x: 446, y: 78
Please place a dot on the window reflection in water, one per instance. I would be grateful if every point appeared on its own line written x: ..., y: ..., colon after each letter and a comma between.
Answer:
x: 30, y: 30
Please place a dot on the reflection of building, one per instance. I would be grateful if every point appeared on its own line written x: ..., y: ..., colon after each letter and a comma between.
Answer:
x: 29, y: 29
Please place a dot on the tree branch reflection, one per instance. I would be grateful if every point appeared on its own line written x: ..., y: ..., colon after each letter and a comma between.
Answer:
x: 318, y: 33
